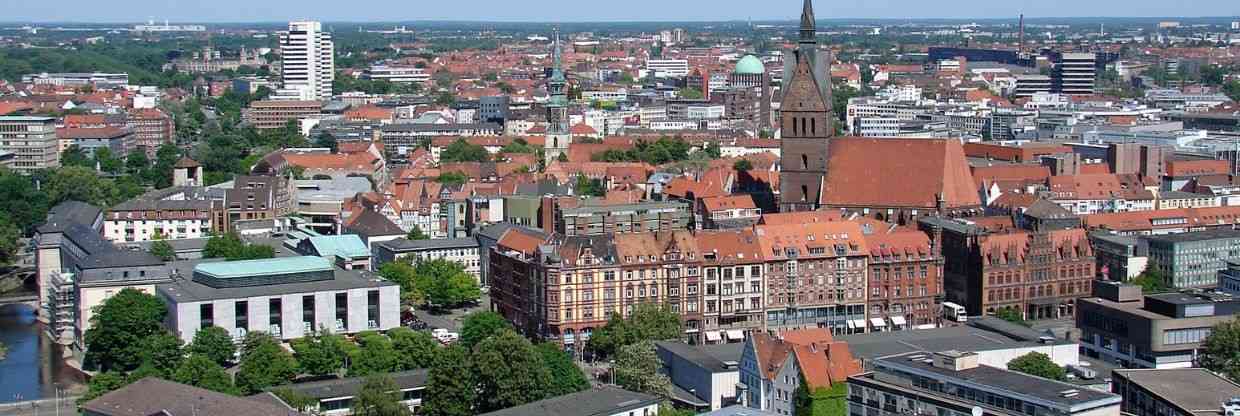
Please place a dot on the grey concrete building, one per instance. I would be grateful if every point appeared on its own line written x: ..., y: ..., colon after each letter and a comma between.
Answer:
x: 703, y: 376
x: 624, y: 218
x: 1194, y: 259
x: 1153, y: 331
x: 288, y: 297
x: 1150, y: 392
x: 32, y: 140
x: 955, y: 383
x: 1119, y: 257
x: 461, y: 250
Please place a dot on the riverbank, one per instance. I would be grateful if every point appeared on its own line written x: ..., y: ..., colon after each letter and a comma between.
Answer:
x: 34, y: 367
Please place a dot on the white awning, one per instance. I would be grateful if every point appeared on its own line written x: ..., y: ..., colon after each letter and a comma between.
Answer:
x: 736, y: 335
x: 898, y: 320
x: 852, y: 324
x: 712, y: 336
x: 858, y: 323
x: 878, y: 322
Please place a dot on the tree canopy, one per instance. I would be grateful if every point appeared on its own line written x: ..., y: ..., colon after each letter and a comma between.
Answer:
x: 230, y: 246
x: 264, y: 363
x: 664, y: 150
x: 647, y: 322
x: 510, y: 372
x: 321, y: 353
x: 379, y: 396
x: 637, y: 368
x: 1037, y: 364
x: 478, y: 326
x: 440, y: 282
x: 450, y: 389
x: 214, y: 343
x: 119, y: 326
x: 1220, y: 352
x: 566, y: 377
x: 462, y: 151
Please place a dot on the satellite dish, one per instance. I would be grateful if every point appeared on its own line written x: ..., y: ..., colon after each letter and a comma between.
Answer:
x: 977, y: 411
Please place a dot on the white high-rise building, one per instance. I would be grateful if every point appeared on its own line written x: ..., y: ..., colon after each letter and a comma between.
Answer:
x: 308, y: 65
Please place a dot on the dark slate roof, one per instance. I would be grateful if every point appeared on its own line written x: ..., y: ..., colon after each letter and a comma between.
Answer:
x: 401, y: 244
x: 70, y: 212
x: 150, y: 396
x: 186, y: 290
x: 597, y: 401
x: 347, y: 387
x: 1204, y: 398
x: 1009, y: 382
x: 715, y: 358
x: 119, y: 259
x: 370, y: 224
x: 1047, y: 210
x: 875, y: 345
x: 494, y: 231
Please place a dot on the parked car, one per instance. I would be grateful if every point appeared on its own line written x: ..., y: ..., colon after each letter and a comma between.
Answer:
x: 444, y: 336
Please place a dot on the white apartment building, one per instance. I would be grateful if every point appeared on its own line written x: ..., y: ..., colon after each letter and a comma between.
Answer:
x: 32, y: 141
x: 397, y: 74
x: 308, y: 64
x: 672, y: 68
x: 618, y: 95
x: 460, y: 250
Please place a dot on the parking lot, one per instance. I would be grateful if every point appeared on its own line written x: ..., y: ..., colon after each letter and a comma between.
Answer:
x: 451, y: 319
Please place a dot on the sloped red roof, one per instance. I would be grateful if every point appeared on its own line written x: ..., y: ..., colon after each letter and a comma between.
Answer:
x: 892, y: 172
x: 718, y: 203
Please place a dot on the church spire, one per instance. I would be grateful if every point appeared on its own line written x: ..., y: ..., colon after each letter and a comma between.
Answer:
x: 809, y: 30
x: 557, y: 71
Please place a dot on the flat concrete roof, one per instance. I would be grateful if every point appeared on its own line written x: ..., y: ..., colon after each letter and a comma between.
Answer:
x: 1193, y: 390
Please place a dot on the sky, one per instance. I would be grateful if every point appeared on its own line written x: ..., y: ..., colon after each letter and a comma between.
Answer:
x: 207, y: 11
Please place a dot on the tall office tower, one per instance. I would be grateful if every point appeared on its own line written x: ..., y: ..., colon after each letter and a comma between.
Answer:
x: 558, y: 135
x: 805, y: 120
x: 1074, y: 73
x: 308, y: 65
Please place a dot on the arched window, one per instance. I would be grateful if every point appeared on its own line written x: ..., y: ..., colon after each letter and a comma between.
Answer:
x: 813, y: 126
x: 804, y: 191
x: 804, y: 161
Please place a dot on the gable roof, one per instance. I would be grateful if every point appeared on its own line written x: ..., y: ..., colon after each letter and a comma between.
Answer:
x: 876, y: 173
x: 151, y: 396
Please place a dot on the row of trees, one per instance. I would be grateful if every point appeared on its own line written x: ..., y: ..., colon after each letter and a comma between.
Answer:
x: 229, y: 246
x: 438, y: 283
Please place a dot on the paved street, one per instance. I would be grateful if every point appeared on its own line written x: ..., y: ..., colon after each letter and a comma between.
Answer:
x: 451, y: 320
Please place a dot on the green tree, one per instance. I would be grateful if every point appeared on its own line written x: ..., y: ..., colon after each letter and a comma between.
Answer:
x: 80, y: 184
x: 102, y: 384
x: 136, y: 162
x: 481, y: 325
x: 118, y: 327
x: 589, y: 187
x: 322, y: 353
x: 21, y: 202
x: 1151, y: 280
x: 743, y: 165
x: 462, y: 151
x: 264, y: 363
x: 510, y: 372
x: 163, y: 352
x: 1037, y: 364
x: 637, y: 369
x: 446, y: 284
x: 74, y: 156
x: 215, y: 343
x: 1220, y: 352
x: 1232, y: 89
x: 108, y: 162
x: 416, y: 233
x: 647, y: 322
x: 414, y: 349
x: 566, y: 377
x: 201, y: 371
x: 451, y: 388
x: 379, y: 396
x: 518, y: 145
x: 1012, y: 315
x: 405, y: 275
x: 452, y: 178
x: 374, y: 355
x: 690, y: 93
x: 712, y: 150
x: 163, y: 250
x: 230, y: 247
x: 9, y: 235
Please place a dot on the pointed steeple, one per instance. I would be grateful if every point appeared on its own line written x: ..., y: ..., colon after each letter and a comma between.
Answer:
x: 557, y: 71
x: 809, y: 30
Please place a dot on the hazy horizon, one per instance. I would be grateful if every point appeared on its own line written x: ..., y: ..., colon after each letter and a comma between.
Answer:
x: 540, y: 11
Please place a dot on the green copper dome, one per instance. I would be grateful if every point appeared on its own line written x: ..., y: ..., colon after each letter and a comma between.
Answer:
x: 749, y: 65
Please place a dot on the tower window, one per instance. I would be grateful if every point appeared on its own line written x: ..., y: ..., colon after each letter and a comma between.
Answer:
x: 813, y: 126
x: 804, y: 192
x: 804, y: 161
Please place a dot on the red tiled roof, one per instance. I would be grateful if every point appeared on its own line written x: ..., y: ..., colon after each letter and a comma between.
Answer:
x: 718, y: 203
x: 805, y: 217
x: 879, y: 172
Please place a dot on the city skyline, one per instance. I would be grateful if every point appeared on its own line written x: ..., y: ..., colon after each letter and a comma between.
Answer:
x: 236, y: 11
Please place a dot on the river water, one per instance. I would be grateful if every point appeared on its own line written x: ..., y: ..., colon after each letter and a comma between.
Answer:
x: 32, y: 368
